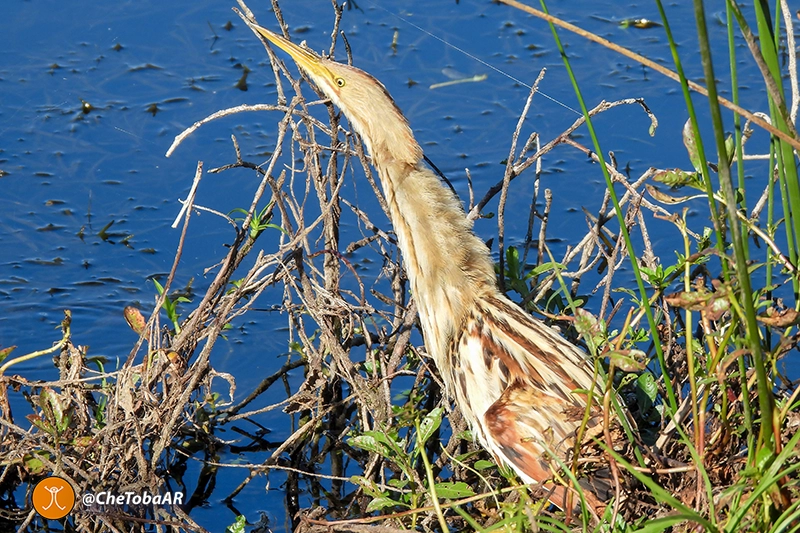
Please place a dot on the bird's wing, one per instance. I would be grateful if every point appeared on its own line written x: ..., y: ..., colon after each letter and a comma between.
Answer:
x: 528, y: 428
x: 524, y: 425
x: 544, y: 399
x: 534, y: 353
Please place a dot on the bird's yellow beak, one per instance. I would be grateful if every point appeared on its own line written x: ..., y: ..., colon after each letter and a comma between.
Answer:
x: 305, y: 59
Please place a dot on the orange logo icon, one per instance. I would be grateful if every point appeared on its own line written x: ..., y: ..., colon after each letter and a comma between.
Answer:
x: 53, y: 498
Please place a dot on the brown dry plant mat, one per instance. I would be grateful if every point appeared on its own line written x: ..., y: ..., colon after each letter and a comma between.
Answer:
x: 134, y: 428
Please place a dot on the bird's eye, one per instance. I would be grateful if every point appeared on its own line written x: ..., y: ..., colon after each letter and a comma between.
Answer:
x: 340, y: 82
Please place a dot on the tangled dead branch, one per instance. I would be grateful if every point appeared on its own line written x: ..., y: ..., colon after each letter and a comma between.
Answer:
x: 357, y: 343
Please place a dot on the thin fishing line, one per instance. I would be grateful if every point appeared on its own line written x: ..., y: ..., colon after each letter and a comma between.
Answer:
x: 473, y: 57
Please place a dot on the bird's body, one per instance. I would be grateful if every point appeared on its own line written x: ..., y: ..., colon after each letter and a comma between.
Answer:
x: 517, y: 382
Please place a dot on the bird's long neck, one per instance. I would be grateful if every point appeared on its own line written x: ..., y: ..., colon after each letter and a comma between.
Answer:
x: 448, y: 266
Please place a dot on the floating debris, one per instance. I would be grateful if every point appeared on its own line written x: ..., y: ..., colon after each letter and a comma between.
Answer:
x: 476, y: 78
x: 642, y: 24
x: 242, y: 83
x: 86, y: 107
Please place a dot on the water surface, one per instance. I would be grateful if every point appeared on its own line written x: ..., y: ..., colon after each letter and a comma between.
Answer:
x: 94, y: 93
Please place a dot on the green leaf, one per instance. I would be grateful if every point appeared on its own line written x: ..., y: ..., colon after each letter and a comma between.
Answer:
x: 277, y: 227
x: 668, y: 199
x: 34, y: 463
x: 647, y: 384
x: 369, y: 486
x: 37, y: 421
x: 690, y: 142
x: 466, y: 435
x: 764, y: 457
x: 54, y: 410
x: 371, y: 444
x: 585, y: 323
x: 430, y: 424
x: 238, y: 526
x: 544, y: 267
x: 135, y: 319
x: 512, y: 262
x: 483, y: 464
x: 378, y: 442
x: 730, y: 149
x: 589, y: 328
x: 453, y: 490
x: 398, y: 483
x: 382, y: 503
x: 676, y: 178
x: 646, y: 391
x: 5, y: 352
x: 626, y: 380
x: 628, y: 360
x: 159, y: 288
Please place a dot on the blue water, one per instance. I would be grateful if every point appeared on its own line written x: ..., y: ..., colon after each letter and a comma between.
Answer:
x: 149, y: 69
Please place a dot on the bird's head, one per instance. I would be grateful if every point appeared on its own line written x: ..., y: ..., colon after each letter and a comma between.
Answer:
x: 363, y: 100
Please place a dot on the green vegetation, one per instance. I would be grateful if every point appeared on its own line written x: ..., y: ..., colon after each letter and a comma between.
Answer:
x: 702, y: 426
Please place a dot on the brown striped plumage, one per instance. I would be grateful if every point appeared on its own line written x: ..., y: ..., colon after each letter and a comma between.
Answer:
x: 512, y: 377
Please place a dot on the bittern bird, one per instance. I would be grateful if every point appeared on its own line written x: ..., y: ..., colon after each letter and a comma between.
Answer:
x: 516, y: 381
